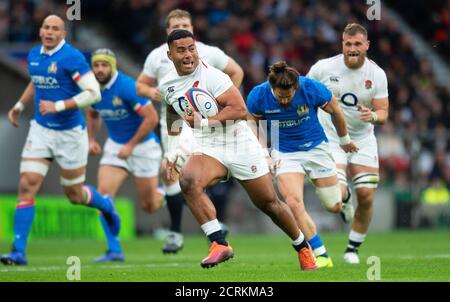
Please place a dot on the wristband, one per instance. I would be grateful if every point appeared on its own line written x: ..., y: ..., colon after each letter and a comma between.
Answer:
x: 344, y: 140
x: 20, y: 106
x: 374, y: 117
x: 60, y: 106
x: 204, y: 123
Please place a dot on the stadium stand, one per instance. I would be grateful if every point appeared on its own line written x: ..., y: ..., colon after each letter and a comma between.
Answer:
x: 414, y: 145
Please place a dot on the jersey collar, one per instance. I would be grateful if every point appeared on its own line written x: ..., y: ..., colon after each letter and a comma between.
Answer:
x: 112, y: 81
x: 54, y: 50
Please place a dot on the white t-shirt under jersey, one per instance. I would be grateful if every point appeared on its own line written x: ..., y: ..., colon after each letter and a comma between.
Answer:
x: 206, y: 77
x: 350, y: 87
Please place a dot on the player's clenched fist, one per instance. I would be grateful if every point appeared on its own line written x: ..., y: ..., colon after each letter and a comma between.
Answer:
x: 366, y: 115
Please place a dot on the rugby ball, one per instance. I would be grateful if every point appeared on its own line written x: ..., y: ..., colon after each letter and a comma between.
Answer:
x: 202, y: 101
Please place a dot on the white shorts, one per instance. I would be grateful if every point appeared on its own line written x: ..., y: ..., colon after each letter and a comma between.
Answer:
x: 244, y: 160
x: 144, y: 161
x: 68, y: 147
x: 367, y: 154
x: 315, y: 163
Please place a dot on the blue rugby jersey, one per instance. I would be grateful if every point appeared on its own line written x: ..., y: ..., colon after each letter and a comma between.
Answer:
x: 54, y: 77
x: 118, y: 108
x: 299, y: 127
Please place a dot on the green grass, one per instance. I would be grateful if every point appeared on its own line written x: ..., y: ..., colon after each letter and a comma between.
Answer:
x: 404, y: 256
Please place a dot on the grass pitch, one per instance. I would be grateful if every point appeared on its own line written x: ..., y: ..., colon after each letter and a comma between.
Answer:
x: 404, y: 256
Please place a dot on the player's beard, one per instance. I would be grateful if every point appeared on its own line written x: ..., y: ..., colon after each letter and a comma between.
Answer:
x: 105, y: 79
x: 354, y: 62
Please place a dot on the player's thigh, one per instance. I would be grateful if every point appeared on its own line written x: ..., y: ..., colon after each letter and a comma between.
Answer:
x: 110, y: 179
x: 356, y: 169
x: 260, y: 190
x: 146, y: 187
x: 365, y: 181
x: 290, y: 185
x: 201, y: 170
x: 325, y: 181
x: 32, y: 174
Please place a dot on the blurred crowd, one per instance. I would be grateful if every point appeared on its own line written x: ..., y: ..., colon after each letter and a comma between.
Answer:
x: 414, y: 147
x: 434, y: 26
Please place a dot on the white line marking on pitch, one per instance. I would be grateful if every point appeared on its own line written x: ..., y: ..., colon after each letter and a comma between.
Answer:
x: 438, y: 256
x: 114, y: 266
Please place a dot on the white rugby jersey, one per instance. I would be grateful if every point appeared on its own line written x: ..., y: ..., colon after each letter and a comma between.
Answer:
x: 157, y: 65
x: 173, y: 88
x: 350, y: 87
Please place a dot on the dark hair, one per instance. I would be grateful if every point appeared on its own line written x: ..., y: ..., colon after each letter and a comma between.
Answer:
x: 179, y: 34
x: 283, y: 76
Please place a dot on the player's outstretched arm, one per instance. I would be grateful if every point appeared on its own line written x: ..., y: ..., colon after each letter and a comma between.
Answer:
x: 146, y: 87
x: 93, y: 124
x: 379, y: 113
x: 89, y: 95
x: 235, y: 72
x: 26, y: 98
x: 338, y: 119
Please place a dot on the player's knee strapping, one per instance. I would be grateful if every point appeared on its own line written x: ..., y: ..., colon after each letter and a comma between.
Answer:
x: 366, y: 180
x: 342, y: 177
x: 33, y: 166
x: 65, y: 182
x: 329, y: 196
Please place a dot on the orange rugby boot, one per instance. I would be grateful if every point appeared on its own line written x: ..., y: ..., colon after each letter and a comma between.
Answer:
x: 217, y: 253
x: 307, y: 259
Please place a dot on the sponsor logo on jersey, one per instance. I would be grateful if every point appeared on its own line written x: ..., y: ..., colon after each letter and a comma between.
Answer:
x: 171, y: 89
x: 254, y: 169
x: 334, y: 79
x: 45, y: 82
x: 113, y: 115
x: 368, y: 84
x: 52, y: 68
x: 117, y: 101
x: 289, y: 123
x: 272, y: 111
x: 302, y: 110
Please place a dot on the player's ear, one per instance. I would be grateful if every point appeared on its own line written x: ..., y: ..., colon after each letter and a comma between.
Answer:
x: 169, y: 55
x: 368, y: 45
